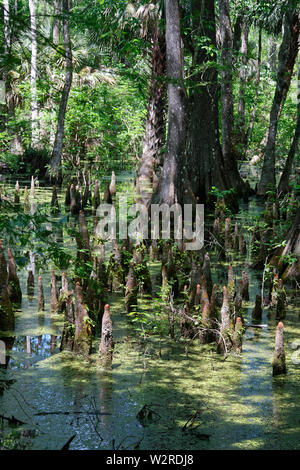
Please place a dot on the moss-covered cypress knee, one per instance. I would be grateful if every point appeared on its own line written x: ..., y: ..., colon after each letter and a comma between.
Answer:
x: 53, y: 300
x: 207, y: 274
x: 30, y: 283
x: 238, y: 335
x: 230, y: 283
x: 131, y: 290
x: 205, y: 334
x: 107, y: 343
x: 224, y: 342
x: 107, y: 196
x: 238, y: 300
x: 279, y: 364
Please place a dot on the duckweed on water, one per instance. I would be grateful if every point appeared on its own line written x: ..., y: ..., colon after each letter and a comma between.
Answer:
x: 194, y: 398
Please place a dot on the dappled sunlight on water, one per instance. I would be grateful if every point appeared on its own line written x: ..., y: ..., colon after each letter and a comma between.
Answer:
x: 238, y: 405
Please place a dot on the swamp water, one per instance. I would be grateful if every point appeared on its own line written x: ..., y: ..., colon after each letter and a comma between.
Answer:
x: 145, y: 399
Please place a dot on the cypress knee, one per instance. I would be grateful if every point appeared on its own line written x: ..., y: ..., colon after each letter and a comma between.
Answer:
x: 225, y: 324
x: 32, y: 187
x: 238, y: 335
x: 112, y: 186
x: 17, y: 194
x: 41, y: 303
x: 197, y: 300
x: 230, y: 283
x: 30, y: 283
x: 107, y: 343
x: 14, y: 289
x: 107, y: 195
x: 228, y: 244
x: 207, y: 274
x: 54, y: 300
x: 279, y: 364
x: 96, y: 201
x: 26, y: 200
x: 131, y: 290
x: 236, y: 237
x: 238, y: 300
x: 205, y: 335
x: 257, y: 312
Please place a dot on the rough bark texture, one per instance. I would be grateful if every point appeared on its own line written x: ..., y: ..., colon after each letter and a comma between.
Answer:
x: 205, y: 160
x: 33, y: 75
x: 56, y: 23
x: 283, y: 186
x: 54, y: 299
x: 287, y: 57
x: 173, y: 186
x: 7, y: 320
x: 258, y: 77
x: 243, y: 80
x: 292, y: 248
x: 55, y: 163
x: 14, y: 289
x: 41, y: 301
x: 155, y: 129
x: 229, y: 150
x: 272, y: 58
x: 83, y: 335
x: 279, y: 365
x: 107, y: 343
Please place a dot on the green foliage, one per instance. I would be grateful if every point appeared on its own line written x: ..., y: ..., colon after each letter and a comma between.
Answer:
x: 104, y: 126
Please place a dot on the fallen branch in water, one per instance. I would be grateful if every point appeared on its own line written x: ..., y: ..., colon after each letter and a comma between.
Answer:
x: 67, y: 444
x: 46, y: 413
x: 12, y: 420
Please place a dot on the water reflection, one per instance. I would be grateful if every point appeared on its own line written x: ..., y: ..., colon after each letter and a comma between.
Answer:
x: 6, y: 345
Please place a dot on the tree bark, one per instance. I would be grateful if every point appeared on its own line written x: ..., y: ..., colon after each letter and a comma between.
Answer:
x: 33, y: 75
x: 242, y: 91
x: 56, y: 158
x: 286, y: 58
x: 292, y: 247
x: 283, y: 187
x: 205, y: 159
x: 229, y: 150
x: 272, y: 59
x: 237, y: 34
x: 56, y: 22
x: 258, y: 76
x: 155, y: 129
x: 6, y: 14
x: 173, y: 186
